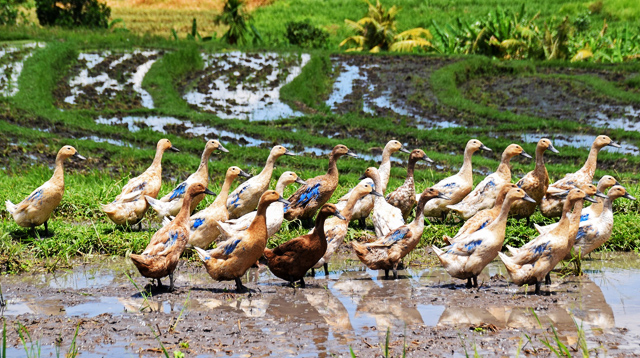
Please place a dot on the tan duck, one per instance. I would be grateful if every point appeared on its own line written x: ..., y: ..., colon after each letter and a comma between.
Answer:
x: 161, y: 256
x: 170, y: 204
x: 203, y: 227
x: 309, y: 198
x: 335, y: 229
x: 130, y: 206
x: 456, y: 186
x: 37, y: 208
x: 385, y: 216
x: 291, y: 260
x: 533, y: 262
x: 466, y: 258
x: 535, y: 183
x: 364, y: 206
x: 386, y: 252
x: 552, y: 206
x: 275, y: 212
x: 483, y: 217
x: 592, y: 211
x: 595, y: 231
x: 244, y: 199
x: 485, y: 193
x: 232, y: 258
x: 404, y: 197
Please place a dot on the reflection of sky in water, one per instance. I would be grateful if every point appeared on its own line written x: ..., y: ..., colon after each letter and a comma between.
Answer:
x: 579, y: 141
x: 10, y: 70
x: 628, y: 121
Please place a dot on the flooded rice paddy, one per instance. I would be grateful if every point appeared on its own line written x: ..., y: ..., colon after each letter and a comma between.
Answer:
x: 12, y: 58
x: 353, y: 307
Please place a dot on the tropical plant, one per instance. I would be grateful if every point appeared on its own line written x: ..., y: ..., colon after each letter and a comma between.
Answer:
x: 73, y: 13
x: 377, y: 32
x: 556, y: 41
x: 616, y: 46
x: 304, y: 34
x: 193, y: 35
x: 10, y: 10
x: 237, y: 19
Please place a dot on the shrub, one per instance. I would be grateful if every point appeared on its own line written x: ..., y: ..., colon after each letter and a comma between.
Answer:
x: 9, y: 11
x: 73, y: 13
x: 236, y: 18
x: 303, y: 34
x: 582, y: 22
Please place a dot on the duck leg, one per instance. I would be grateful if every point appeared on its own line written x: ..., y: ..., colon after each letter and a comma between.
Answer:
x: 239, y: 286
x: 313, y: 272
x: 475, y: 281
x: 538, y: 283
x: 547, y: 279
x: 469, y: 284
x: 326, y: 269
x: 171, y: 282
x: 46, y: 228
x: 159, y: 283
x: 302, y: 284
x: 363, y: 223
x: 386, y: 274
x: 395, y: 271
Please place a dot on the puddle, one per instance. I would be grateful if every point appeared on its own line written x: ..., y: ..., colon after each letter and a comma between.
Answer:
x: 12, y: 58
x: 628, y: 118
x: 108, y: 140
x: 109, y: 79
x: 578, y: 141
x: 158, y: 123
x: 245, y: 85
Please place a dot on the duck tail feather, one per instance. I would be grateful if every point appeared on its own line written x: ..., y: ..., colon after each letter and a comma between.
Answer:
x: 438, y: 251
x: 160, y: 207
x: 204, y: 255
x: 11, y: 207
x: 512, y: 250
x: 538, y: 228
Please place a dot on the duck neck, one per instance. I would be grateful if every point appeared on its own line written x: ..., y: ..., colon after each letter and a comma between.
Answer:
x: 385, y: 169
x: 540, y: 168
x: 500, y: 223
x: 260, y: 220
x: 608, y: 204
x: 564, y: 219
x: 224, y: 191
x: 503, y: 168
x: 377, y: 184
x: 499, y: 201
x: 418, y: 222
x: 410, y: 169
x: 589, y: 167
x: 280, y: 185
x: 203, y: 169
x: 319, y: 228
x: 268, y: 166
x: 333, y: 167
x: 347, y: 211
x: 466, y: 171
x: 157, y: 160
x: 58, y: 173
x: 185, y: 210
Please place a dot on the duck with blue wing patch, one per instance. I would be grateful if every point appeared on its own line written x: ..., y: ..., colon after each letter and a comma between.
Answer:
x: 386, y: 252
x: 404, y: 196
x: 232, y: 258
x: 161, y: 256
x: 466, y: 258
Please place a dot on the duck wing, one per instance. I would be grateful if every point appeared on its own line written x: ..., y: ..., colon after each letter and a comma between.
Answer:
x: 392, y: 238
x: 164, y: 241
x: 532, y: 253
x: 306, y: 194
x: 465, y: 247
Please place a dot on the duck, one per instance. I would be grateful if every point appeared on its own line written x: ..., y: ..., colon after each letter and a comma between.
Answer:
x: 404, y: 197
x: 466, y: 258
x: 535, y: 183
x: 170, y: 204
x: 130, y: 205
x: 244, y: 199
x: 483, y: 217
x: 385, y: 216
x: 551, y: 206
x: 364, y: 206
x: 309, y: 198
x: 203, y: 227
x: 336, y: 229
x: 484, y: 194
x: 592, y: 211
x: 594, y: 232
x: 456, y: 186
x: 161, y: 256
x: 291, y: 260
x: 275, y: 212
x: 232, y: 258
x: 386, y: 252
x: 36, y: 209
x: 534, y: 261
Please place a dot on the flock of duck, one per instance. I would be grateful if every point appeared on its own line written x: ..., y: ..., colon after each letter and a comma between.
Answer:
x: 241, y: 222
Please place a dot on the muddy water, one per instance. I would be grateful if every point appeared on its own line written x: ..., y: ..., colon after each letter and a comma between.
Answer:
x: 352, y: 307
x: 12, y: 58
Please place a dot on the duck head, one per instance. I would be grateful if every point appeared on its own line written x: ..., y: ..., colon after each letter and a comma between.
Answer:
x: 602, y: 141
x: 67, y: 152
x: 371, y: 173
x: 196, y: 189
x: 607, y: 181
x: 234, y: 172
x: 519, y: 194
x: 279, y: 151
x: 330, y: 209
x: 618, y: 191
x: 591, y: 190
x: 215, y: 145
x: 577, y: 194
x: 289, y: 178
x: 340, y: 150
x: 512, y: 150
x: 475, y: 145
x: 431, y: 193
x: 544, y: 144
x: 165, y: 144
x: 271, y: 196
x: 363, y: 189
x: 419, y: 154
x: 504, y: 191
x: 394, y: 146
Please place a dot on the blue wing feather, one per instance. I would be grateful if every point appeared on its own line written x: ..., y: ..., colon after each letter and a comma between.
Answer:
x: 178, y: 191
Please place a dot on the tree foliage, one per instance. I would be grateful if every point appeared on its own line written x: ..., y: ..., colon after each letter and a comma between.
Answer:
x: 73, y: 13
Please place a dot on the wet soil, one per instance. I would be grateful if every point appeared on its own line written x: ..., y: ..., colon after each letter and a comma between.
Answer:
x: 12, y: 57
x: 424, y: 309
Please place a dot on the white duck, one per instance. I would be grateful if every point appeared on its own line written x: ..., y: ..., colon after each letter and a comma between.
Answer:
x: 385, y: 216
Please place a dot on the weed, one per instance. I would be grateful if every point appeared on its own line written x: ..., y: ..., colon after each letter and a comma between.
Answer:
x: 32, y: 349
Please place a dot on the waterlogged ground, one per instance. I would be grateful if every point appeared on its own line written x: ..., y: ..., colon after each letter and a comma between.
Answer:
x: 353, y: 307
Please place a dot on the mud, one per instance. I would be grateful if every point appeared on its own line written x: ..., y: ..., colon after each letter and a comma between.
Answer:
x: 12, y: 58
x: 106, y: 80
x: 425, y: 310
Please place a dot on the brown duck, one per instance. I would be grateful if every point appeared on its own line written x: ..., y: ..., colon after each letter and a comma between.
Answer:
x: 404, y: 197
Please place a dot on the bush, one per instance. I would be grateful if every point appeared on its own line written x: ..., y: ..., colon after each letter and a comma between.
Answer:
x: 9, y: 11
x: 73, y: 13
x: 303, y: 34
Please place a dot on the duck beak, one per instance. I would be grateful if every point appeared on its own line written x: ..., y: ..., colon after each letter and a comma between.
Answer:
x: 600, y: 194
x: 300, y: 181
x: 442, y: 196
x: 405, y: 150
x: 528, y: 198
x: 614, y: 144
x: 222, y: 149
x: 245, y: 174
x: 362, y: 177
x: 427, y: 159
x: 282, y: 200
x: 626, y: 195
x: 553, y: 149
x: 485, y: 148
x: 77, y: 155
x: 174, y: 149
x: 288, y: 152
x: 375, y: 193
x: 352, y: 154
x: 208, y: 192
x: 588, y: 198
x: 524, y: 154
x: 338, y: 215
